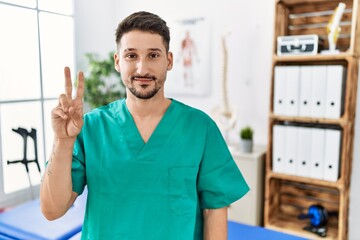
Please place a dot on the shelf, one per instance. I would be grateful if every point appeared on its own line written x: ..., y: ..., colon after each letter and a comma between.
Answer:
x: 292, y: 225
x: 338, y: 185
x: 302, y: 2
x: 286, y: 195
x: 341, y: 121
x: 344, y: 56
x: 291, y: 197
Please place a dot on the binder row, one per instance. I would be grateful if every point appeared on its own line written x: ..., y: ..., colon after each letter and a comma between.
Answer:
x: 309, y: 91
x: 306, y: 151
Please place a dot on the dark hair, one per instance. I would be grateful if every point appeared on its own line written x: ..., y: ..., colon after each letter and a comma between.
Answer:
x: 144, y: 21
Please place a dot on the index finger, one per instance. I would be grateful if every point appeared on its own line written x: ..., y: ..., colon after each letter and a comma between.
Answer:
x: 80, y: 86
x: 68, y: 83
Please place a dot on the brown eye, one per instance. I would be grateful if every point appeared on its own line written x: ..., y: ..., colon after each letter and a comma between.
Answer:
x: 154, y: 55
x: 131, y: 56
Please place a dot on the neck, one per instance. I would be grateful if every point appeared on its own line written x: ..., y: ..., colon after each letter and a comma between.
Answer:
x: 142, y: 108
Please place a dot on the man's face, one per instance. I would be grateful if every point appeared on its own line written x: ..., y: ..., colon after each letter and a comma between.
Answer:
x: 143, y: 63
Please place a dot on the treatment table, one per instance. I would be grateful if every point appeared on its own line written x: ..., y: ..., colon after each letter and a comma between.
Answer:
x: 27, y: 222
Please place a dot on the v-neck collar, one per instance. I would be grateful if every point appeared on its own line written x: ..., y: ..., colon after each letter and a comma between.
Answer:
x: 139, y: 149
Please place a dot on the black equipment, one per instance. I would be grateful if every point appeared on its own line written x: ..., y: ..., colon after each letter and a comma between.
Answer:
x: 25, y: 134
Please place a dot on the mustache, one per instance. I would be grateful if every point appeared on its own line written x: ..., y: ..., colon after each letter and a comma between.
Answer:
x: 145, y: 76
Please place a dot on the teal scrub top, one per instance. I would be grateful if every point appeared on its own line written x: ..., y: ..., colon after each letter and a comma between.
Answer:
x: 155, y: 190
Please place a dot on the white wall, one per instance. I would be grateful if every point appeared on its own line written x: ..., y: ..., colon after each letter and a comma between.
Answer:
x: 95, y: 24
x: 248, y: 71
x: 249, y: 64
x: 354, y: 231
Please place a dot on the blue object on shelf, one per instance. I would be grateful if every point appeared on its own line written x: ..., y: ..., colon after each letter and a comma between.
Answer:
x: 27, y: 222
x: 239, y: 231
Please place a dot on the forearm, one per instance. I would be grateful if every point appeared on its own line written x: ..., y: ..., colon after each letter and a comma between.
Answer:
x: 56, y: 188
x: 215, y: 224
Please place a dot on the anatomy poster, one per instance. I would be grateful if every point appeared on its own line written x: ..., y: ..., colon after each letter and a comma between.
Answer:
x: 190, y: 44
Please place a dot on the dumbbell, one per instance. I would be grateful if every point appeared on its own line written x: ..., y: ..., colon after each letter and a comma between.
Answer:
x: 317, y: 214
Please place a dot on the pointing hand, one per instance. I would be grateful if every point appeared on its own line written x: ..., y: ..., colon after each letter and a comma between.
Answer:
x: 66, y: 118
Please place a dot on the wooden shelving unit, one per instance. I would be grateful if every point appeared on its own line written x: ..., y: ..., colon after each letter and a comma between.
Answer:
x: 286, y: 196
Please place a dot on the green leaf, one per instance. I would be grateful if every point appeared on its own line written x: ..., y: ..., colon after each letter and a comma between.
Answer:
x: 246, y: 133
x: 100, y: 88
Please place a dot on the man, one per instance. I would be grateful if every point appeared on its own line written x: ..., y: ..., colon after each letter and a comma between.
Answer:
x: 154, y: 167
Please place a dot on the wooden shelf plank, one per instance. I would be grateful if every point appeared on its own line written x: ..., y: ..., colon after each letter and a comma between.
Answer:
x: 344, y: 56
x: 292, y: 225
x: 338, y: 185
x: 303, y: 2
x: 340, y: 121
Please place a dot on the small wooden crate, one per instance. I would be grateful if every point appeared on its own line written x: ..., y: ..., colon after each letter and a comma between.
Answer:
x: 301, y: 17
x: 289, y: 199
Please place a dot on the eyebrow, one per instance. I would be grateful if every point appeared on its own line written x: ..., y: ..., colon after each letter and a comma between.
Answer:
x: 149, y: 50
x: 155, y: 49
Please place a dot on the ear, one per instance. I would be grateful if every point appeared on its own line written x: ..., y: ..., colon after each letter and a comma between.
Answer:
x: 116, y: 62
x: 170, y: 61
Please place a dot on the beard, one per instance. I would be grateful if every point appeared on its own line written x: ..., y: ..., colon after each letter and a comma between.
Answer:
x: 145, y: 92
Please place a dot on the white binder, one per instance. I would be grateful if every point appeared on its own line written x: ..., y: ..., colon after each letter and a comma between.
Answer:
x: 303, y: 152
x: 291, y: 137
x: 305, y: 91
x: 279, y: 90
x: 317, y: 153
x: 278, y: 149
x: 318, y: 92
x: 332, y: 154
x: 292, y: 91
x: 334, y: 91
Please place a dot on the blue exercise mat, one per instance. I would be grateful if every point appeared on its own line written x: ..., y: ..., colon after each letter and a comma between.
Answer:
x: 27, y: 222
x: 239, y: 231
x: 76, y: 236
x: 4, y: 237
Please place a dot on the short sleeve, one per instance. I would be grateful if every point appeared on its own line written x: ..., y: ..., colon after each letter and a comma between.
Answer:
x: 78, y: 172
x: 220, y: 181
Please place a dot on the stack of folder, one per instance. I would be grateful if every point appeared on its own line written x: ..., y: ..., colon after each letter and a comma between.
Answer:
x: 309, y: 91
x: 307, y: 151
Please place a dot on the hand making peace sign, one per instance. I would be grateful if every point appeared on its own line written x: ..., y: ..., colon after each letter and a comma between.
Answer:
x: 66, y: 118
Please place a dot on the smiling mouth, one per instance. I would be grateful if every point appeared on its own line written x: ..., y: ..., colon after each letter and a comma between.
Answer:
x: 143, y: 78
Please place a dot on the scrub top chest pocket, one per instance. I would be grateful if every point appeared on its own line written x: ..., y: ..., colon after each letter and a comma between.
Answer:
x: 183, y: 194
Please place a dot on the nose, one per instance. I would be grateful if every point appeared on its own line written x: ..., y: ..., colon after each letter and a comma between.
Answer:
x: 142, y: 67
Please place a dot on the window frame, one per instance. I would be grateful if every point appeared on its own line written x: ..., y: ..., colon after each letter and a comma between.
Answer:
x: 25, y: 194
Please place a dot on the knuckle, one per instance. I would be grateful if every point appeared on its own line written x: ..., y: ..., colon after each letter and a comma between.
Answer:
x: 62, y: 96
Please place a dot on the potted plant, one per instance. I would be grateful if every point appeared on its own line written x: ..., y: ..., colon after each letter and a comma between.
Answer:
x: 246, y: 139
x: 102, y: 83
